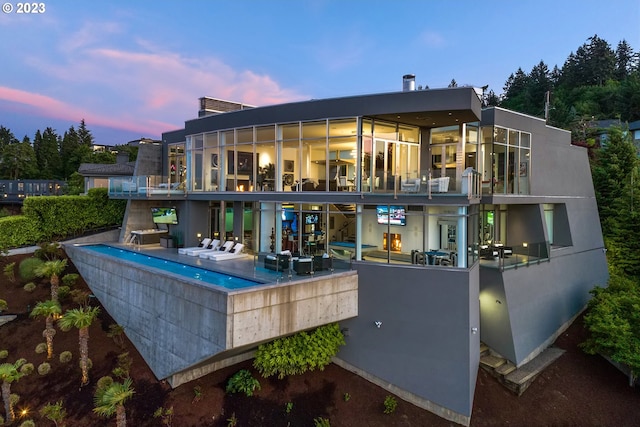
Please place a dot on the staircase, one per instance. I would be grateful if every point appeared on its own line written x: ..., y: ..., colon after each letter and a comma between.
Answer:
x: 516, y: 379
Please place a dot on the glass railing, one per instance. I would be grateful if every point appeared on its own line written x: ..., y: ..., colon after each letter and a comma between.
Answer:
x: 506, y: 257
x: 144, y: 186
x: 423, y: 182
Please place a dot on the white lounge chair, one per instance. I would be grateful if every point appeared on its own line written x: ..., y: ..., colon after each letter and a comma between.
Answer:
x: 234, y: 252
x: 211, y: 247
x: 224, y: 248
x: 203, y: 244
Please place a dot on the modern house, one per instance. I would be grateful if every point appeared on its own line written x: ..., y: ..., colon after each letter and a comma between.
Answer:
x: 457, y: 225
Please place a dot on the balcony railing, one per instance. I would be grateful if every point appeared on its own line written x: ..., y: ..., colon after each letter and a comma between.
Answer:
x: 144, y: 186
x: 505, y: 257
x: 417, y: 183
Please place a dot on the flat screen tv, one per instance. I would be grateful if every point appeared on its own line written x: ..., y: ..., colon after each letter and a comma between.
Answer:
x: 311, y: 218
x: 392, y: 215
x: 164, y: 215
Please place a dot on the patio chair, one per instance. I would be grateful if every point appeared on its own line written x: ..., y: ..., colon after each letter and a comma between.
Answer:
x: 224, y: 248
x: 203, y: 244
x: 411, y: 185
x: 234, y: 252
x: 211, y: 247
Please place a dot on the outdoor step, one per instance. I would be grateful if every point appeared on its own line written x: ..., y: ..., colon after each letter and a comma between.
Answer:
x: 484, y: 349
x: 520, y: 379
x: 506, y: 369
x: 491, y: 361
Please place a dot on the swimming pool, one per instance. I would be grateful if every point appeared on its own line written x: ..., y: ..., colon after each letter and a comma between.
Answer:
x: 207, y: 276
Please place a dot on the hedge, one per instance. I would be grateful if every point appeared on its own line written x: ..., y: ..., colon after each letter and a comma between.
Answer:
x: 51, y: 218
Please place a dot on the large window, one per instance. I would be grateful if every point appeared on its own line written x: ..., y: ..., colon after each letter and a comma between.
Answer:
x: 505, y: 160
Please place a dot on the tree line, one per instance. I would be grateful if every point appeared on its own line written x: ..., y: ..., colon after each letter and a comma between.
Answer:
x: 594, y: 83
x: 51, y: 155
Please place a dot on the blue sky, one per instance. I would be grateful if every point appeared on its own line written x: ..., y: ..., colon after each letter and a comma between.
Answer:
x: 135, y: 69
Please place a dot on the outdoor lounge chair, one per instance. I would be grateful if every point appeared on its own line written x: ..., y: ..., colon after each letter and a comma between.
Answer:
x: 224, y: 248
x: 235, y: 252
x: 411, y: 185
x: 213, y: 246
x: 203, y: 244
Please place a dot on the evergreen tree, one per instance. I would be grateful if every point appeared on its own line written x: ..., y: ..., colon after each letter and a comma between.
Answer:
x: 84, y: 135
x: 18, y: 160
x: 453, y: 83
x: 625, y: 60
x: 47, y: 155
x: 68, y: 146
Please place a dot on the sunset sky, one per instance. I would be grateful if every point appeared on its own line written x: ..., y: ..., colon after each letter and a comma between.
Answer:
x: 135, y: 69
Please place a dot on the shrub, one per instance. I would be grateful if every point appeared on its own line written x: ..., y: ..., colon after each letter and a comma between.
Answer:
x: 116, y: 333
x: 390, y: 404
x: 80, y: 297
x: 1, y: 420
x: 28, y: 423
x: 28, y: 266
x: 243, y: 381
x: 299, y: 353
x: 9, y: 272
x: 3, y: 305
x: 104, y: 383
x: 49, y: 251
x: 347, y: 397
x: 44, y: 368
x: 27, y: 369
x: 321, y: 422
x: 41, y: 348
x: 66, y: 356
x: 29, y: 287
x: 166, y: 414
x: 124, y: 364
x: 54, y: 412
x: 232, y: 421
x: 63, y: 292
x: 4, y: 354
x: 197, y: 394
x: 288, y: 407
x: 14, y: 399
x: 70, y: 279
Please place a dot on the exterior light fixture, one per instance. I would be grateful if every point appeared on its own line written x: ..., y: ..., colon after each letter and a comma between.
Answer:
x: 378, y: 324
x: 525, y: 244
x: 199, y: 235
x: 474, y: 330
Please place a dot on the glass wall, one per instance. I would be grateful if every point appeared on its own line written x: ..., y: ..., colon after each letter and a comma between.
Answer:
x: 306, y: 156
x: 504, y: 160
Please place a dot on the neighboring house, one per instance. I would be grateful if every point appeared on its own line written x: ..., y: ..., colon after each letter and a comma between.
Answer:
x: 634, y: 130
x: 462, y: 224
x: 16, y: 190
x: 96, y: 175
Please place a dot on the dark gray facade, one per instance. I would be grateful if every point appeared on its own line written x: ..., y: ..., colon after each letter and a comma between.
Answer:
x: 419, y: 328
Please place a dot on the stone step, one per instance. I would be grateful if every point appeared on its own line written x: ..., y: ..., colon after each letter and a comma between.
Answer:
x: 505, y: 369
x: 520, y: 379
x: 491, y: 361
x: 484, y: 349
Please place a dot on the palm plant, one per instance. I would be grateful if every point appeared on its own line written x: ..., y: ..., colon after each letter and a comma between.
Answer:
x: 9, y: 372
x: 81, y: 318
x: 47, y: 309
x: 52, y: 270
x: 110, y: 399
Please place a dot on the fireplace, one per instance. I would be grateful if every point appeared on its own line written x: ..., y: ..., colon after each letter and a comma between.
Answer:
x: 395, y: 240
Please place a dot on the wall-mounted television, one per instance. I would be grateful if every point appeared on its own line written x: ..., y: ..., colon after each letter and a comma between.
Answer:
x: 164, y: 215
x: 393, y: 215
x: 311, y: 218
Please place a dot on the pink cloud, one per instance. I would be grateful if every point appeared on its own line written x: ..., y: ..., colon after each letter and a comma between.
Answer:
x: 41, y: 105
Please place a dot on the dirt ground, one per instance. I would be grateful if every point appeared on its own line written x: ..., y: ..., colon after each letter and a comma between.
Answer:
x: 577, y: 390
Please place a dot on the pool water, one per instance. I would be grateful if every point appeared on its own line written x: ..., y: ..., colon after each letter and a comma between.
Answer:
x: 208, y: 276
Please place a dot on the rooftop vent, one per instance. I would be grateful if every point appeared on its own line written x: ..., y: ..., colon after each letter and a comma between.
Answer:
x: 408, y: 82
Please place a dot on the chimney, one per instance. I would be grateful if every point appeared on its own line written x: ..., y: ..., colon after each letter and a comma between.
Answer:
x: 408, y: 82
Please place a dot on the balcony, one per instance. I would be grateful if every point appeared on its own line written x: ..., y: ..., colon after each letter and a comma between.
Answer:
x: 422, y: 183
